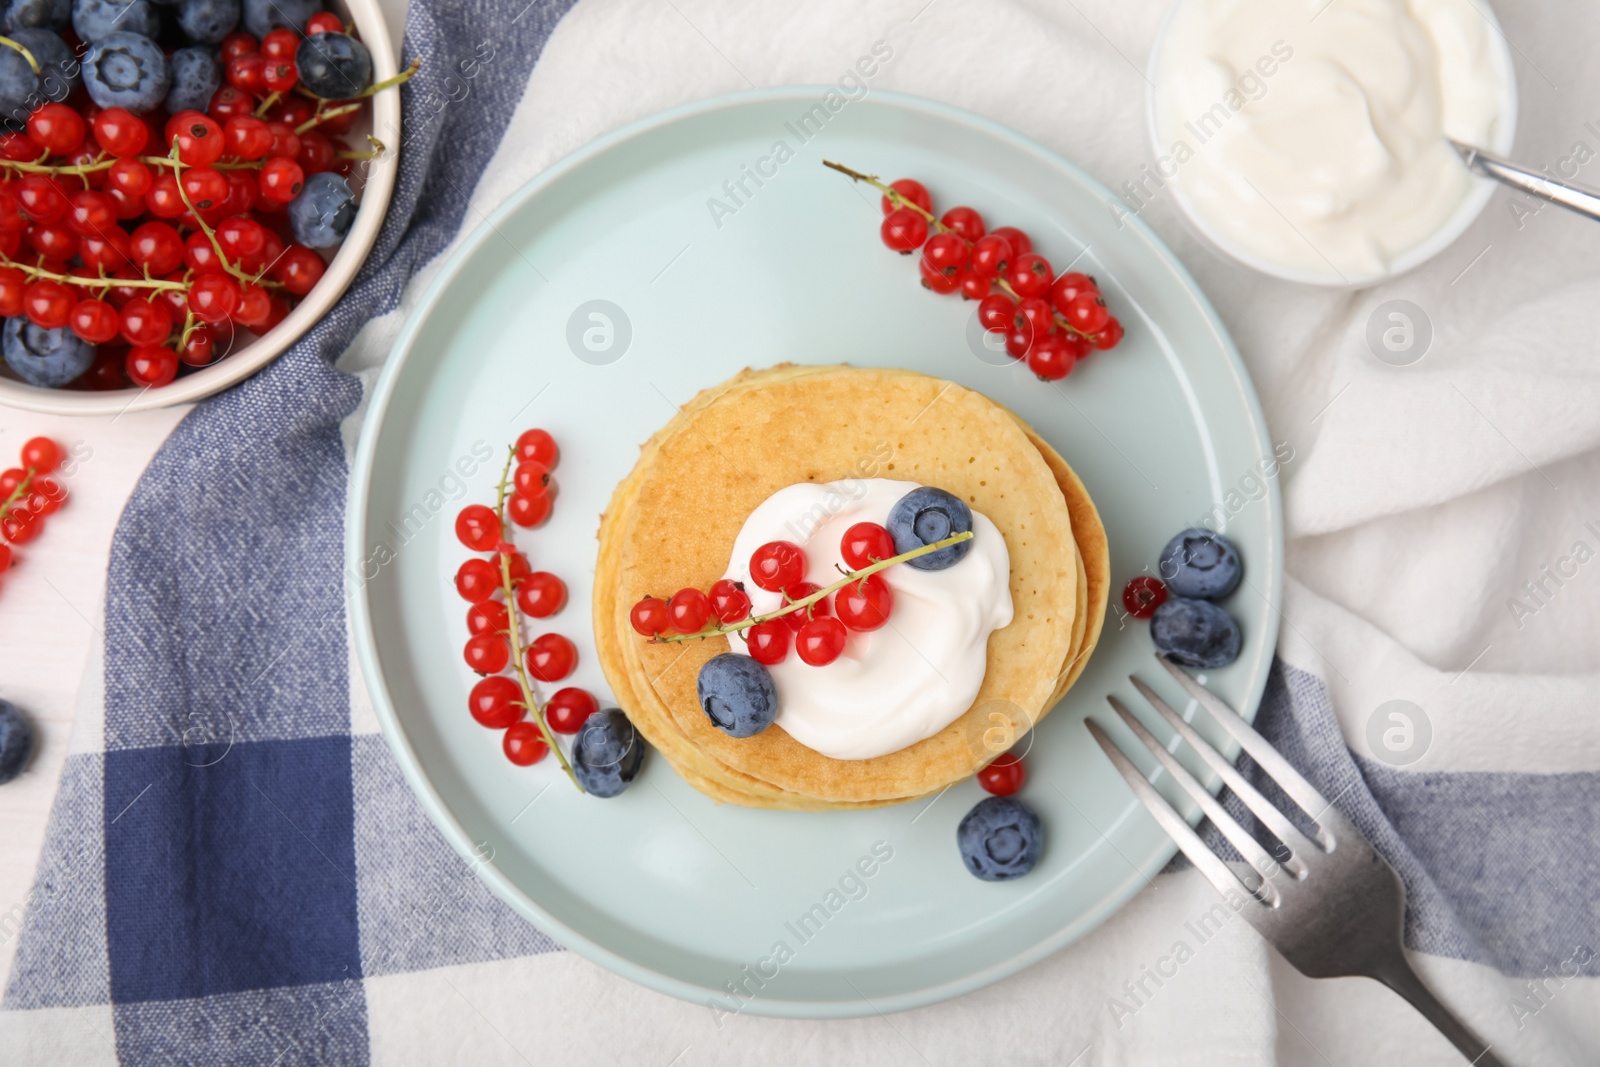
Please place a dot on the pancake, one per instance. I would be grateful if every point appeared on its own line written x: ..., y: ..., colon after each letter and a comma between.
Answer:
x: 738, y: 442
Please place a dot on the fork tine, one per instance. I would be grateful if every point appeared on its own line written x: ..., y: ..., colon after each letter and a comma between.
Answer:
x: 1260, y: 806
x: 1256, y: 856
x: 1219, y: 874
x: 1291, y: 781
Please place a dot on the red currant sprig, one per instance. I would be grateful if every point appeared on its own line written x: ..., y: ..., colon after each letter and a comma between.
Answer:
x: 27, y: 496
x: 1049, y: 322
x: 861, y: 601
x: 495, y: 625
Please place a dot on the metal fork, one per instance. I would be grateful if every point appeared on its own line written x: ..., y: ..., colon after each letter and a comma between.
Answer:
x: 1332, y: 906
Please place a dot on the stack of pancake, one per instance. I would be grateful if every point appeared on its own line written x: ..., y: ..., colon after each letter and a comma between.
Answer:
x: 671, y: 524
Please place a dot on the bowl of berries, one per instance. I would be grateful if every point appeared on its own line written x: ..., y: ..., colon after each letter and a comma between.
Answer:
x: 186, y: 187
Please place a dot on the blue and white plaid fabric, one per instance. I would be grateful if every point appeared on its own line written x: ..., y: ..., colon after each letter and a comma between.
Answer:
x: 233, y: 870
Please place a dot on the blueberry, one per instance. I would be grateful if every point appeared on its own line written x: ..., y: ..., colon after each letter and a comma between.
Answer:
x: 58, y: 67
x: 1000, y: 839
x: 94, y: 19
x: 1195, y: 633
x: 1200, y: 563
x: 208, y: 21
x: 48, y: 14
x: 16, y: 741
x: 261, y: 17
x: 321, y: 215
x: 19, y: 86
x: 334, y: 66
x: 126, y: 70
x: 46, y: 358
x: 925, y: 516
x: 737, y: 694
x: 195, y: 77
x: 607, y: 753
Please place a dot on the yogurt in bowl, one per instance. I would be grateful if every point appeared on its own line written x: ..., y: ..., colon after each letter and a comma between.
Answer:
x: 1309, y: 138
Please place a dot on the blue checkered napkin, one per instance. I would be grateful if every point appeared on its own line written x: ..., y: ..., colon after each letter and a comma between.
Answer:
x: 226, y: 867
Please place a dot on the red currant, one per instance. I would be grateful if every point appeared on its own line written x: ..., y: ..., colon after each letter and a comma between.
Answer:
x: 551, y: 657
x: 280, y: 75
x: 57, y: 129
x: 12, y: 284
x: 91, y: 212
x: 108, y: 250
x: 53, y: 240
x: 539, y: 447
x: 478, y: 527
x: 145, y: 322
x: 864, y: 544
x: 649, y: 616
x: 152, y: 366
x: 241, y: 236
x: 47, y: 303
x: 285, y: 142
x: 997, y: 312
x: 945, y: 253
x: 245, y: 72
x: 966, y: 223
x: 18, y: 147
x: 247, y: 137
x: 904, y: 230
x: 496, y: 702
x: 1004, y: 776
x: 95, y: 321
x: 864, y: 605
x: 541, y: 594
x: 820, y: 641
x: 317, y: 153
x: 688, y: 610
x: 280, y: 44
x: 299, y: 269
x: 1050, y: 358
x: 488, y: 617
x: 130, y: 176
x: 1035, y: 314
x: 768, y: 641
x: 1068, y: 286
x: 1020, y: 244
x: 213, y: 296
x: 40, y: 454
x: 120, y: 132
x: 205, y: 188
x: 231, y: 102
x: 1109, y: 336
x: 973, y: 285
x: 991, y: 255
x: 799, y: 591
x: 528, y: 510
x: 487, y: 653
x: 238, y: 44
x: 155, y: 247
x: 729, y: 602
x: 10, y: 479
x: 524, y: 744
x: 937, y: 281
x: 200, y: 347
x: 1143, y: 595
x: 281, y: 179
x: 777, y: 565
x: 477, y: 580
x: 40, y: 199
x: 1086, y: 312
x: 199, y: 137
x: 323, y: 22
x: 20, y: 527
x: 568, y: 709
x: 531, y: 478
x: 1030, y: 274
x: 913, y: 191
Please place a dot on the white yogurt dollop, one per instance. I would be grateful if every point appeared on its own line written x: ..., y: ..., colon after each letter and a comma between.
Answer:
x: 907, y: 680
x: 1313, y: 134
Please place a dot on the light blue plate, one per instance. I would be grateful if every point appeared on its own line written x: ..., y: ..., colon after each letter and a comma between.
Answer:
x: 662, y: 885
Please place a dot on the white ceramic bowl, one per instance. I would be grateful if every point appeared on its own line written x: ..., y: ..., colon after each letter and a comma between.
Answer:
x: 1453, y: 227
x: 382, y: 120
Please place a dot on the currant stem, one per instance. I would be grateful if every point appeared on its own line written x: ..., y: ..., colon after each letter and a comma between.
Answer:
x: 324, y: 115
x: 898, y: 199
x: 18, y: 493
x: 93, y: 283
x: 267, y: 102
x: 807, y: 601
x: 9, y: 43
x: 514, y: 632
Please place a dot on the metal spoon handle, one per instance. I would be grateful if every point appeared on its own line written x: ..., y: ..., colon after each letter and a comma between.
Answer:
x: 1570, y: 196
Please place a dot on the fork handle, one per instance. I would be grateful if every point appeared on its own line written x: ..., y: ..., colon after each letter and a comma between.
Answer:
x: 1403, y: 980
